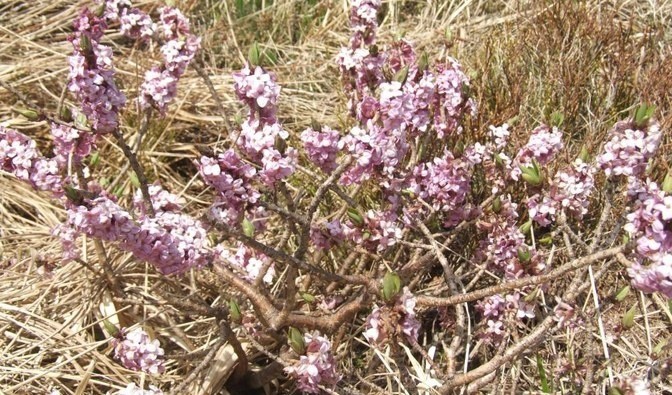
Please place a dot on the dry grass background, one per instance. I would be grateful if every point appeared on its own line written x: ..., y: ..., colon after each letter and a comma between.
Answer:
x: 592, y: 60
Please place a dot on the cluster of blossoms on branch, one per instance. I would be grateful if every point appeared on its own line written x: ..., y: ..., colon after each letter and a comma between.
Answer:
x: 317, y: 367
x: 136, y: 351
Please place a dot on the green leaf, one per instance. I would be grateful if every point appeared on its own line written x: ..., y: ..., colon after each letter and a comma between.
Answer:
x: 135, y: 181
x: 254, y: 55
x: 309, y: 298
x: 546, y: 240
x: 355, y: 216
x: 524, y: 254
x: 557, y: 119
x: 531, y: 174
x: 615, y: 391
x: 30, y: 115
x: 248, y: 228
x: 423, y: 63
x: 234, y: 311
x: 643, y: 114
x: 628, y: 320
x: 622, y: 293
x: 659, y: 347
x: 545, y: 388
x: 94, y: 159
x: 667, y: 182
x: 401, y: 75
x: 296, y: 341
x: 391, y: 285
x: 110, y: 328
x: 526, y: 227
x: 497, y: 205
x: 584, y: 155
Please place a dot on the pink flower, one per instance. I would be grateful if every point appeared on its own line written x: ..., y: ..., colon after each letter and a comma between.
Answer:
x: 628, y: 151
x: 317, y: 367
x: 403, y: 311
x: 322, y: 147
x: 92, y: 74
x: 248, y: 260
x: 137, y: 352
x: 543, y: 145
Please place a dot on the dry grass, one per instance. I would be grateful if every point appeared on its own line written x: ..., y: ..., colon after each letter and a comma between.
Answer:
x: 590, y: 60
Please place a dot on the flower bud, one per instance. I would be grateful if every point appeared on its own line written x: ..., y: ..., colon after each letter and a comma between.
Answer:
x: 81, y: 122
x: 391, y: 285
x: 546, y: 240
x: 234, y: 312
x: 296, y: 341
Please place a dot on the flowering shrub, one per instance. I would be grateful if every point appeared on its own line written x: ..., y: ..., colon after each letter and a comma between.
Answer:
x: 370, y: 210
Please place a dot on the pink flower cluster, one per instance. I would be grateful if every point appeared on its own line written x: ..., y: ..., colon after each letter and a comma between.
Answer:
x: 444, y: 184
x: 249, y: 261
x: 316, y: 368
x: 363, y: 22
x: 134, y: 23
x: 173, y: 242
x: 133, y: 389
x: 92, y: 74
x: 650, y: 224
x: 232, y: 178
x: 629, y: 149
x: 495, y: 309
x: 259, y: 91
x: 19, y: 156
x: 378, y: 152
x: 322, y: 147
x: 160, y: 85
x: 71, y: 145
x: 543, y: 145
x: 136, y: 351
x: 379, y: 230
x: 400, y: 315
x: 450, y: 100
x: 569, y: 192
x: 325, y: 236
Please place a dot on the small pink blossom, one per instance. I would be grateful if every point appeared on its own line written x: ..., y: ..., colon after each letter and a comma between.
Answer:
x: 317, y: 367
x: 136, y: 351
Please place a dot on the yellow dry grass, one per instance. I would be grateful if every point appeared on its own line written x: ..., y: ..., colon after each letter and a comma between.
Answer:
x: 591, y: 60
